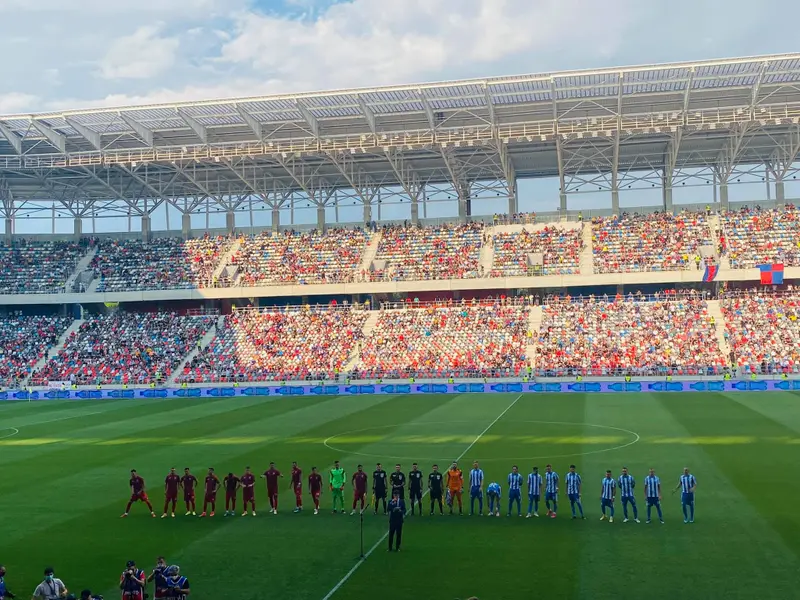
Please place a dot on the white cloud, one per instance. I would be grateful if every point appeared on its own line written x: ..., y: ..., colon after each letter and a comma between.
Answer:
x: 141, y: 55
x: 16, y: 102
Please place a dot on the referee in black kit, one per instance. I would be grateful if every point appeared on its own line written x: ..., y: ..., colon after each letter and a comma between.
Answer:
x: 397, y: 513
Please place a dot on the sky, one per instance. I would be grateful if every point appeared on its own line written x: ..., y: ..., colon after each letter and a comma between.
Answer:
x: 72, y: 54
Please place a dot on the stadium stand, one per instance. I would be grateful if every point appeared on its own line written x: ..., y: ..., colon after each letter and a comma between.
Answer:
x: 560, y: 248
x: 164, y: 263
x: 29, y: 267
x: 763, y: 329
x: 484, y: 339
x: 123, y: 348
x: 300, y: 257
x: 752, y: 237
x: 653, y: 242
x: 635, y: 335
x: 24, y: 341
x: 450, y: 251
x: 298, y: 343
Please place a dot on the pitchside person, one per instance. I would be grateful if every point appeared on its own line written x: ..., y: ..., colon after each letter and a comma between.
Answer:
x: 336, y: 482
x: 379, y: 487
x: 534, y: 492
x: 212, y: 484
x: 189, y: 483
x: 359, y: 481
x: 272, y: 475
x: 626, y: 485
x: 397, y: 513
x: 652, y: 493
x: 315, y: 488
x: 514, y: 491
x: 455, y: 487
x: 231, y: 484
x: 159, y: 576
x: 687, y: 484
x: 574, y: 484
x: 138, y: 494
x: 296, y: 485
x: 248, y: 482
x: 475, y: 489
x: 415, y: 488
x: 607, y: 494
x: 398, y: 481
x: 436, y: 488
x: 171, y: 485
x: 551, y: 491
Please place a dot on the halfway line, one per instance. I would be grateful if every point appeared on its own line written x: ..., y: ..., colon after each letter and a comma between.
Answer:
x: 360, y: 562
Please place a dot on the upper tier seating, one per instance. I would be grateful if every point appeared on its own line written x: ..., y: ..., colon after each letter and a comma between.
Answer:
x: 449, y: 251
x: 764, y: 331
x: 653, y: 242
x: 301, y: 257
x: 753, y: 237
x: 125, y: 348
x: 164, y: 263
x: 274, y: 345
x: 29, y: 267
x: 561, y: 248
x: 24, y: 341
x: 436, y: 341
x: 601, y: 336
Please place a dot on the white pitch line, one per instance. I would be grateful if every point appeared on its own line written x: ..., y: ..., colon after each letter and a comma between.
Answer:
x: 361, y: 561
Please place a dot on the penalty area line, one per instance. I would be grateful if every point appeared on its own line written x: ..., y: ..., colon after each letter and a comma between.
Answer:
x: 382, y: 539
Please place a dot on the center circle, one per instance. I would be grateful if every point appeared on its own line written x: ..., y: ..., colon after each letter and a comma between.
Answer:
x: 428, y: 438
x: 8, y: 432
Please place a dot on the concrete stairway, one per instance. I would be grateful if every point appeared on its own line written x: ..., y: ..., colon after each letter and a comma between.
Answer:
x: 204, y: 342
x: 370, y: 252
x: 534, y: 324
x: 369, y: 327
x: 83, y: 265
x: 715, y: 224
x: 52, y: 352
x: 587, y: 259
x: 715, y: 310
x: 225, y: 258
x: 486, y: 259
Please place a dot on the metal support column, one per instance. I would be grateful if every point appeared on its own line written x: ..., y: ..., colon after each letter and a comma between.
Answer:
x: 186, y: 225
x: 230, y: 221
x: 723, y: 194
x: 77, y: 228
x: 780, y: 191
x: 321, y: 218
x: 276, y: 219
x: 146, y: 231
x: 666, y: 183
x: 9, y: 229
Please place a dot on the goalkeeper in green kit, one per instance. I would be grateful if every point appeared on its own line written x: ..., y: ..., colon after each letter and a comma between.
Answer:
x: 337, y: 486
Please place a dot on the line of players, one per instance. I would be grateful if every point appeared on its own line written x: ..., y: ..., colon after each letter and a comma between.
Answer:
x: 447, y: 488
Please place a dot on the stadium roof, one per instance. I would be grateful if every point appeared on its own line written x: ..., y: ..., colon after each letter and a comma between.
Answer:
x: 602, y: 125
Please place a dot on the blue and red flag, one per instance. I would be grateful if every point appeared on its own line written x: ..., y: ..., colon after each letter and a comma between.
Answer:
x: 711, y: 272
x: 771, y: 274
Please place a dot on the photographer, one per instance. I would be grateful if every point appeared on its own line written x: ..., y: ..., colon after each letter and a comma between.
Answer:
x: 4, y: 591
x: 51, y: 587
x: 132, y: 582
x: 159, y: 576
x: 178, y: 584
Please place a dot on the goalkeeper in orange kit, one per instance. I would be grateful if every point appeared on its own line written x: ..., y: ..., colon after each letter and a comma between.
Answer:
x: 455, y: 487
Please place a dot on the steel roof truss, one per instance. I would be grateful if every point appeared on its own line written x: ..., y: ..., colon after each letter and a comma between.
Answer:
x: 144, y: 134
x: 369, y: 115
x: 309, y: 118
x: 253, y: 123
x: 13, y: 138
x: 58, y: 140
x: 409, y: 179
x: 358, y: 181
x: 195, y: 125
x: 93, y: 137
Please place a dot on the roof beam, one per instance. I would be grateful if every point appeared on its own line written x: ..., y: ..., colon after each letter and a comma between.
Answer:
x: 194, y: 125
x: 253, y: 123
x: 13, y: 138
x: 687, y: 92
x: 369, y: 114
x: 490, y: 104
x: 92, y: 137
x: 59, y: 140
x: 757, y: 87
x: 145, y: 134
x: 428, y: 109
x: 309, y: 118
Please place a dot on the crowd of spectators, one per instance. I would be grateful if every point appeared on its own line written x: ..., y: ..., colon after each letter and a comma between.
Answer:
x: 163, y: 263
x: 560, y: 248
x: 601, y: 336
x: 763, y: 330
x: 481, y: 340
x: 450, y: 251
x: 125, y: 348
x: 756, y: 236
x: 24, y: 341
x: 29, y: 267
x: 274, y: 345
x: 650, y: 242
x: 300, y: 257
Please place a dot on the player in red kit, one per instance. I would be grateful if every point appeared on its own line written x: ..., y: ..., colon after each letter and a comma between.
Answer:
x: 212, y: 484
x: 315, y: 487
x: 171, y: 485
x: 248, y: 482
x: 359, y: 488
x: 188, y: 483
x: 138, y: 493
x: 231, y: 483
x: 272, y: 475
x: 297, y: 486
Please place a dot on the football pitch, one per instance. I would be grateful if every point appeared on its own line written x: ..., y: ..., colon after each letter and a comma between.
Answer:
x: 64, y: 469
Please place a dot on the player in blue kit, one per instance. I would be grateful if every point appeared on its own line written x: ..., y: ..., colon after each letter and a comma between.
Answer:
x: 626, y: 485
x: 534, y: 492
x: 652, y: 494
x: 687, y: 484
x: 573, y: 481
x: 475, y: 489
x: 607, y: 494
x: 515, y: 490
x: 493, y: 493
x: 551, y: 491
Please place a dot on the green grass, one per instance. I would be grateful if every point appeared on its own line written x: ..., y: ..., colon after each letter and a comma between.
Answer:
x: 64, y: 470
